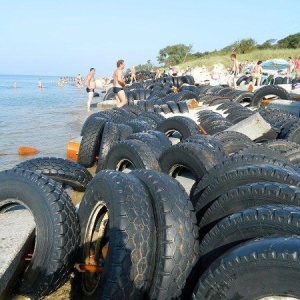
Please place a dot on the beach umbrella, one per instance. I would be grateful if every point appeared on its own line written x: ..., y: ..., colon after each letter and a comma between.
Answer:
x: 275, y: 64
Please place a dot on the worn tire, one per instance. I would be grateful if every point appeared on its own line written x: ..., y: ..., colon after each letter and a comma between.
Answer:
x: 233, y: 141
x: 124, y: 131
x: 268, y: 90
x: 176, y: 232
x: 90, y: 142
x: 62, y: 170
x: 293, y: 134
x: 275, y: 260
x: 240, y: 176
x: 262, y: 149
x: 164, y: 140
x: 110, y: 136
x: 183, y: 107
x: 233, y: 162
x: 131, y: 152
x: 128, y: 265
x: 56, y: 233
x: 195, y: 157
x: 185, y: 126
x: 139, y: 125
x: 247, y: 196
x: 150, y: 140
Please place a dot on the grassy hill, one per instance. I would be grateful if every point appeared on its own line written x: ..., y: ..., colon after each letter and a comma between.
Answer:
x: 254, y: 56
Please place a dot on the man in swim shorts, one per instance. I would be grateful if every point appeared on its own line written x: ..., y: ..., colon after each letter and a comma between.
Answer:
x: 90, y: 84
x: 234, y: 71
x: 119, y: 83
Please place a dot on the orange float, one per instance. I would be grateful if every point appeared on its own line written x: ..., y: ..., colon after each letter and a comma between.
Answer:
x: 73, y: 149
x: 24, y: 150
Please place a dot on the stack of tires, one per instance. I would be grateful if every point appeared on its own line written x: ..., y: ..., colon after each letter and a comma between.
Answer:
x: 148, y: 232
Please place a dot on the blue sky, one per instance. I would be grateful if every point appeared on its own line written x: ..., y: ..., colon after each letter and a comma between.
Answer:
x: 68, y: 37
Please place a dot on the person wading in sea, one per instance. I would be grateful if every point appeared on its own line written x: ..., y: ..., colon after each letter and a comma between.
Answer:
x: 119, y: 83
x: 90, y: 87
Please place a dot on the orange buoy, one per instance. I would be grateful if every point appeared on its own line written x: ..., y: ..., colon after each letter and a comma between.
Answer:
x: 193, y: 103
x: 73, y: 149
x: 24, y: 150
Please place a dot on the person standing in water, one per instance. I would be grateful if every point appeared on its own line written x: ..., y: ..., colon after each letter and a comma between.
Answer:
x: 119, y: 83
x: 90, y: 84
x: 40, y: 84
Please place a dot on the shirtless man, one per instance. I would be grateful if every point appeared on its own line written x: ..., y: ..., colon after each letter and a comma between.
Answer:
x: 119, y: 83
x: 234, y: 71
x: 90, y: 87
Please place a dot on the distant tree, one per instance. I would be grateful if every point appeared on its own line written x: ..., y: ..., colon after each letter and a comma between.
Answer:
x: 244, y: 46
x: 172, y: 55
x: 267, y: 44
x: 291, y: 41
x: 143, y: 67
x: 199, y: 54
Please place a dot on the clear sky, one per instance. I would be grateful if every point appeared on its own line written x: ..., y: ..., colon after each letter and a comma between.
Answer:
x: 63, y: 37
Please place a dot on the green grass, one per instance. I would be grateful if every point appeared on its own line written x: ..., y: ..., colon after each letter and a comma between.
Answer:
x: 254, y: 56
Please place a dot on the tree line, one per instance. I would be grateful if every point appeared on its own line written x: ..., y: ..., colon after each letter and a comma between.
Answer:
x: 180, y: 53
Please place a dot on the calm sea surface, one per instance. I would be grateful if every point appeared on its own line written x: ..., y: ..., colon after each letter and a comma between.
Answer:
x: 43, y: 118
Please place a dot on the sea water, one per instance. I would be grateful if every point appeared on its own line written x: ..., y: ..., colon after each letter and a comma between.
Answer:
x: 44, y: 118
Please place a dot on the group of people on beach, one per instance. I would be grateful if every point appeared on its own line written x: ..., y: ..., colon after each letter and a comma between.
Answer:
x: 118, y: 85
x: 256, y: 70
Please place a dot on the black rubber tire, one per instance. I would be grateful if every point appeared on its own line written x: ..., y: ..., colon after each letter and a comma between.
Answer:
x: 56, y: 233
x: 216, y: 126
x: 149, y: 105
x: 148, y: 120
x: 233, y: 162
x: 252, y: 222
x: 240, y: 176
x: 134, y: 109
x: 268, y: 90
x: 134, y: 152
x: 208, y: 140
x: 173, y: 107
x: 225, y: 136
x: 165, y: 109
x: 90, y: 142
x: 62, y: 170
x: 260, y: 268
x: 241, y: 79
x: 234, y: 119
x: 122, y: 112
x: 183, y: 107
x: 245, y: 97
x: 164, y: 140
x: 247, y: 196
x: 262, y: 149
x: 224, y: 91
x: 185, y: 126
x: 220, y: 101
x: 233, y: 145
x: 195, y: 157
x: 86, y: 125
x: 158, y: 118
x: 150, y: 140
x: 128, y: 266
x: 124, y: 131
x: 139, y: 125
x: 177, y: 244
x: 293, y: 134
x: 110, y: 136
x: 109, y: 96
